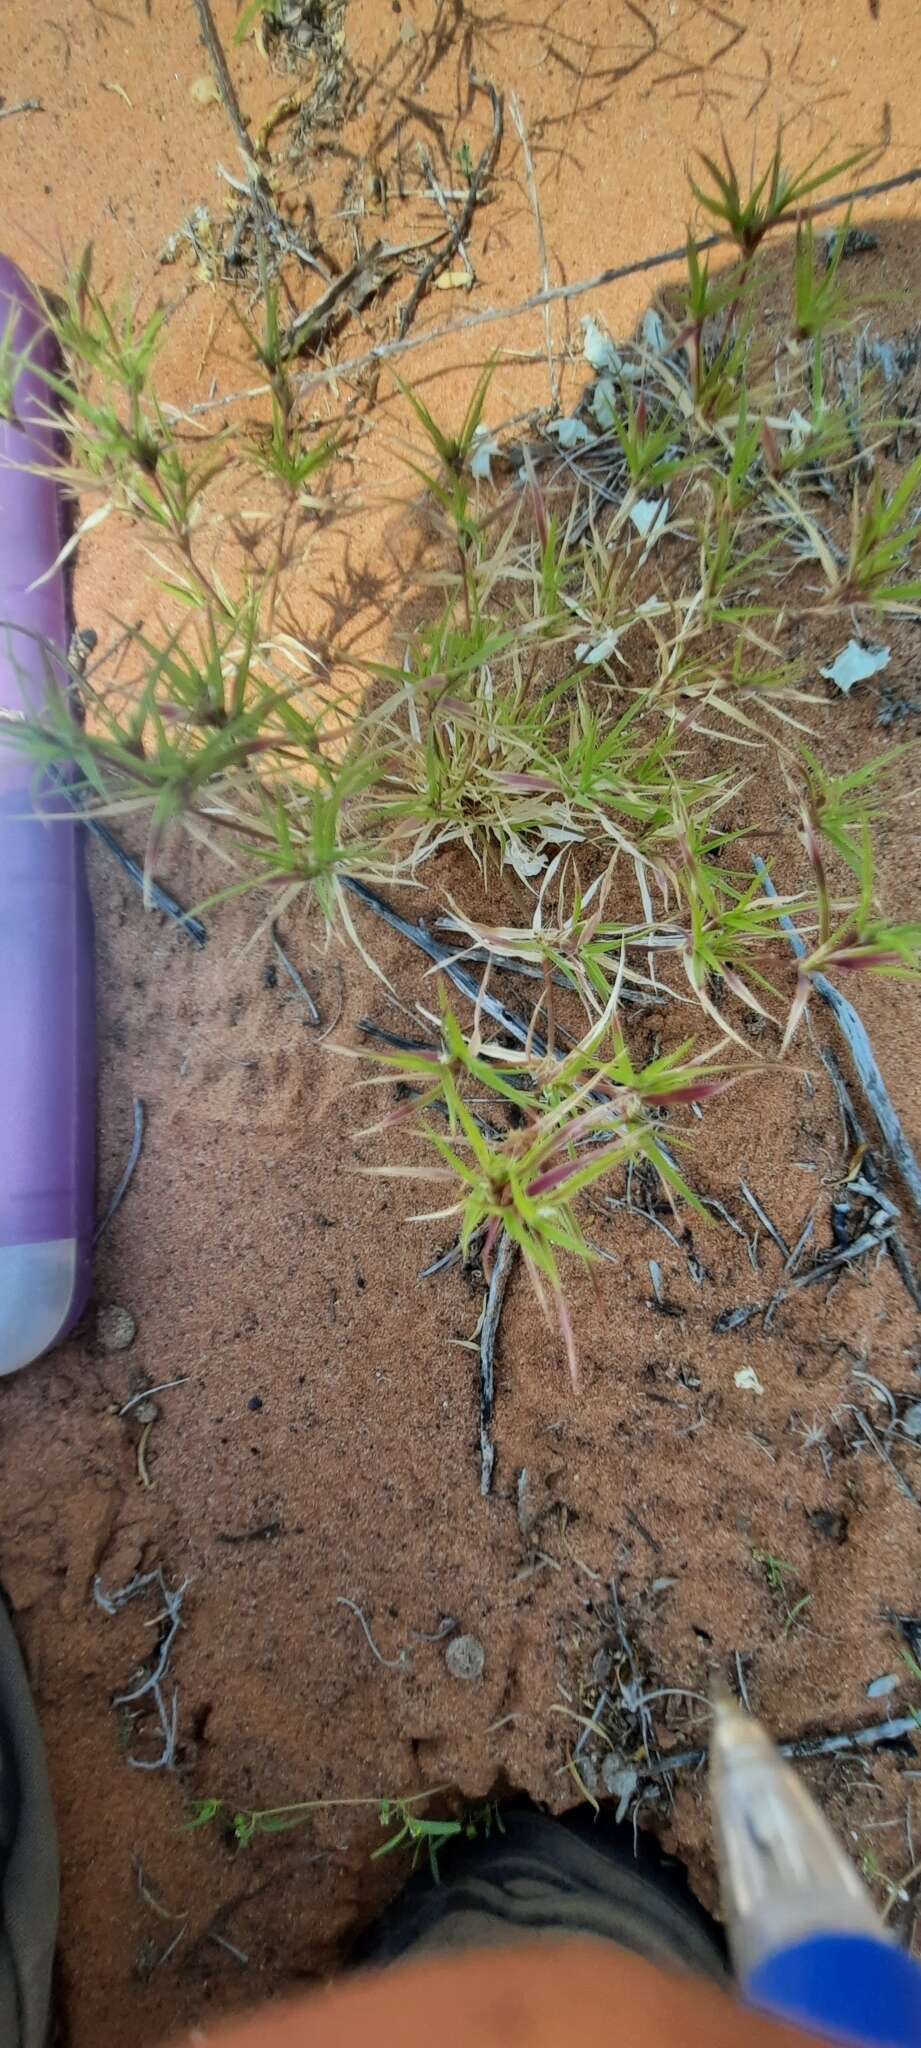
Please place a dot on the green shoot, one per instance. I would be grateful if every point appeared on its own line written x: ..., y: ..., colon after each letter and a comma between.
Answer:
x: 778, y: 1573
x: 279, y: 450
x: 884, y: 537
x: 745, y: 443
x: 411, y: 1829
x: 817, y: 295
x: 14, y: 360
x: 645, y: 441
x: 772, y: 198
x: 859, y: 942
x: 429, y: 1836
x: 254, y: 12
x: 841, y: 809
x: 452, y: 450
x: 573, y: 1120
x: 705, y: 300
x: 704, y: 297
x: 894, y: 1894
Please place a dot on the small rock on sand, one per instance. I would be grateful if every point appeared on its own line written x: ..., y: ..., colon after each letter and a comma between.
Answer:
x: 115, y: 1328
x: 465, y: 1658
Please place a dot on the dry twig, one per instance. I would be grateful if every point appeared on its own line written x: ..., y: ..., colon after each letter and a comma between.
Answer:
x: 503, y: 1262
x: 128, y: 1174
x: 534, y: 196
x: 112, y: 1603
x: 397, y: 1663
x: 225, y: 84
x: 291, y: 971
x: 461, y: 227
x: 863, y: 1056
x: 560, y: 294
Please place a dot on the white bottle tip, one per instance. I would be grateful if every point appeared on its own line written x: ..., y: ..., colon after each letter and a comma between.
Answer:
x: 36, y: 1292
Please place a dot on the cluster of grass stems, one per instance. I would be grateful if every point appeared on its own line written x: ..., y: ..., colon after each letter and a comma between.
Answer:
x: 610, y: 632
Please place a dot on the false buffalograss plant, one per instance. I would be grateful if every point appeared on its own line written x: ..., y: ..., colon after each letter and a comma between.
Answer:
x: 566, y: 1120
x: 585, y: 712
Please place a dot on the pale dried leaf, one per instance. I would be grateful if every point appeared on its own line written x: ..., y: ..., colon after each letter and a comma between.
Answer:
x: 855, y: 664
x: 571, y: 433
x: 649, y: 516
x: 598, y: 348
x: 485, y: 446
x: 455, y: 281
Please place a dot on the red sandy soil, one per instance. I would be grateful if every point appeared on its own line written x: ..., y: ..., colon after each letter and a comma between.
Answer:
x: 323, y: 1446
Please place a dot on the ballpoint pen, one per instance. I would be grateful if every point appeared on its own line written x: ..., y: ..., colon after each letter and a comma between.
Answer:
x: 804, y: 1937
x: 47, y: 1026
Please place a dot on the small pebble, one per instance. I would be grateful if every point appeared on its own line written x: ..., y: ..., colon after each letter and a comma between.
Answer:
x: 145, y: 1411
x: 588, y: 1772
x: 255, y: 1402
x: 620, y: 1782
x: 115, y: 1328
x: 465, y: 1658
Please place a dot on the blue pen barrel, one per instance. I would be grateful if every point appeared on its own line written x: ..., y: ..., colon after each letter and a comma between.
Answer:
x: 804, y: 1935
x: 850, y: 1987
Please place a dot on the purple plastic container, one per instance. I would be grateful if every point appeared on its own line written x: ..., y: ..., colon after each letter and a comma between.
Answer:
x: 47, y: 1012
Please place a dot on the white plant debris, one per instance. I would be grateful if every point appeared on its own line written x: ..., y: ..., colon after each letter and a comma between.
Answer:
x: 855, y: 664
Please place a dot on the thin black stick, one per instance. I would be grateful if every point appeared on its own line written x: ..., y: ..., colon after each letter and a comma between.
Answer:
x: 854, y: 1132
x: 400, y: 1044
x: 150, y: 890
x: 765, y: 1221
x: 128, y: 1175
x: 904, y: 1268
x: 160, y: 898
x: 513, y: 1025
x: 802, y: 1747
x: 527, y: 970
x: 906, y: 1490
x: 456, y: 1255
x: 863, y: 1056
x: 506, y: 1252
x: 291, y: 971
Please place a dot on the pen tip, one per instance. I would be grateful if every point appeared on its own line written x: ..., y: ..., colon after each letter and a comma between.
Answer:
x: 735, y: 1734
